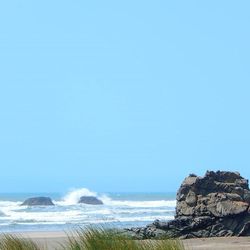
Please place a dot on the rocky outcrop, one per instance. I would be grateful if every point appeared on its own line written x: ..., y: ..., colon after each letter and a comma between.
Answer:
x: 38, y: 201
x: 211, y: 206
x: 217, y: 194
x: 90, y: 200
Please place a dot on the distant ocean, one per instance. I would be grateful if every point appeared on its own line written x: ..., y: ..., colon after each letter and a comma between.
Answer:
x: 119, y: 210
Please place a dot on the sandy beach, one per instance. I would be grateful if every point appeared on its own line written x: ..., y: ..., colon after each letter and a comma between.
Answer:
x: 52, y: 240
x: 223, y: 243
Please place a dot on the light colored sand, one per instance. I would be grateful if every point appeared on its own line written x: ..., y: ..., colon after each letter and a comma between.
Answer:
x: 223, y: 243
x: 53, y: 239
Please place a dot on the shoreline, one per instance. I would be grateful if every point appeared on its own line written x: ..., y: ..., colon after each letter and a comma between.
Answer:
x: 52, y: 239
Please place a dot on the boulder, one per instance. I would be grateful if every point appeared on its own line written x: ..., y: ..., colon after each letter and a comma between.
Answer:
x: 90, y: 200
x: 38, y: 201
x: 215, y: 205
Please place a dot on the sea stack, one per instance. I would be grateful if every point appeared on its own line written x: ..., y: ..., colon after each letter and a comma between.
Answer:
x: 90, y: 200
x: 38, y: 201
x: 211, y: 206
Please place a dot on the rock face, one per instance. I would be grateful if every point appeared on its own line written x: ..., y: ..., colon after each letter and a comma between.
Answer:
x: 211, y: 206
x: 38, y: 201
x: 91, y: 200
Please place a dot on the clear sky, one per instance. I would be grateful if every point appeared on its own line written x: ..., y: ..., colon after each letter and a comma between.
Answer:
x: 122, y: 95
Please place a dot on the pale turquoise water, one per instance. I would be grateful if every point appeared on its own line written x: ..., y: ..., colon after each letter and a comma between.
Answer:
x: 119, y: 209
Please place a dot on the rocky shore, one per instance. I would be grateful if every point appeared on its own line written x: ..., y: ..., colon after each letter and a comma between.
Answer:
x: 215, y: 205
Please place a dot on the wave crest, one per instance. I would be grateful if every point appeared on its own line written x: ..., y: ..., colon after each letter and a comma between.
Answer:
x: 74, y: 196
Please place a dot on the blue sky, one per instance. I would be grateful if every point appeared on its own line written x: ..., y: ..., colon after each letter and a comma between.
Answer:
x: 122, y: 95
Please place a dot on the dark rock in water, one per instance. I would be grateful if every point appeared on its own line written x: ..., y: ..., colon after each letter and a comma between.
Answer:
x: 2, y: 214
x: 211, y: 206
x: 38, y: 201
x: 91, y: 200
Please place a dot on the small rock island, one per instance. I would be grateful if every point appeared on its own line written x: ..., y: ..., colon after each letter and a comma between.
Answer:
x: 90, y: 200
x: 38, y: 201
x: 211, y: 206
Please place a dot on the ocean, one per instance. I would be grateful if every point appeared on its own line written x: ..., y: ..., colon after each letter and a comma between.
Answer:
x: 120, y: 210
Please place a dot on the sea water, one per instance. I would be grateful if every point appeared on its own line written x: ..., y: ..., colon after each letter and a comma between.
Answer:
x: 121, y: 210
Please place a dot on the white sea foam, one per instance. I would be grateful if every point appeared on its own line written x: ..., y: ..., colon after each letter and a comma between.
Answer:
x: 156, y: 203
x: 145, y: 218
x: 66, y: 216
x: 67, y: 211
x: 9, y: 203
x: 74, y: 196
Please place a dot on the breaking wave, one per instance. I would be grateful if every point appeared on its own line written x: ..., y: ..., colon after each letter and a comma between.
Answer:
x: 73, y: 197
x: 124, y: 211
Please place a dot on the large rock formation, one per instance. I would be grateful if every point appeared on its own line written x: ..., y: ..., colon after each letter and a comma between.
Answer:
x: 38, y: 201
x: 90, y: 200
x: 210, y: 206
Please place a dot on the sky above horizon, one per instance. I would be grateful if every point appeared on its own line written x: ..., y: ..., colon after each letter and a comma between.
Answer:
x: 122, y: 95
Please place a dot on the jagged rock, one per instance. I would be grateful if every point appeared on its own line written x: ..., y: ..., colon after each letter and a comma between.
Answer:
x: 38, y: 201
x: 91, y: 200
x: 211, y: 206
x: 216, y: 194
